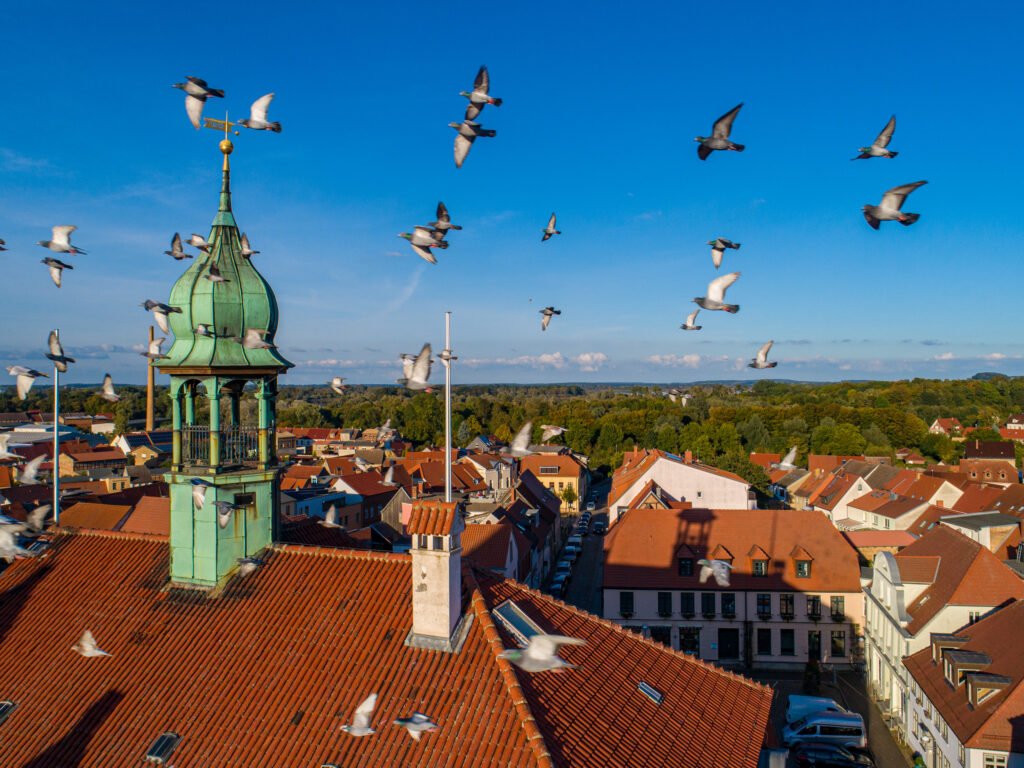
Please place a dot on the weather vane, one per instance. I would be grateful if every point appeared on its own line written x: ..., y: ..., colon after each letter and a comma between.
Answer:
x: 221, y: 125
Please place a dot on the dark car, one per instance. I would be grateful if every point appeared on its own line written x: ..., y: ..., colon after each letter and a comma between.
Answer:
x: 830, y: 756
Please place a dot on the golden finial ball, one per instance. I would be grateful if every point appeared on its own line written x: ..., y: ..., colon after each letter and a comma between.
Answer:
x: 227, y: 147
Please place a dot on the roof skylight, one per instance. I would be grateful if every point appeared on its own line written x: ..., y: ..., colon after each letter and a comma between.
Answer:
x: 650, y: 692
x: 163, y: 747
x: 518, y: 624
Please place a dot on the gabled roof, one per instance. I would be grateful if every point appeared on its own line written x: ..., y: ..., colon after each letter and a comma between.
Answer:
x: 85, y: 514
x: 977, y: 497
x: 564, y: 464
x: 152, y: 515
x: 367, y: 484
x: 635, y: 463
x: 828, y: 495
x: 434, y: 518
x: 765, y: 460
x: 879, y: 538
x: 988, y: 449
x: 487, y: 545
x: 826, y: 463
x: 929, y: 519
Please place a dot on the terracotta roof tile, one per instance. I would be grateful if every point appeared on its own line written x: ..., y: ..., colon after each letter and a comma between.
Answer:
x: 151, y: 515
x: 434, y: 518
x: 487, y: 545
x: 879, y: 538
x: 765, y: 460
x: 85, y: 514
x: 977, y: 498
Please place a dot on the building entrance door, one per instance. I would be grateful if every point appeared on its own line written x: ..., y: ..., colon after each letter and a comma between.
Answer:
x: 728, y: 643
x: 814, y: 645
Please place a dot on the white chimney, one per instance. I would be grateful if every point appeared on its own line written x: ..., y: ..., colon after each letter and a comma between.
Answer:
x: 436, y: 527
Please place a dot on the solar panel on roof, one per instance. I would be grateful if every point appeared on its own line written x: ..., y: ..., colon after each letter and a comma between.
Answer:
x: 163, y: 747
x: 519, y: 625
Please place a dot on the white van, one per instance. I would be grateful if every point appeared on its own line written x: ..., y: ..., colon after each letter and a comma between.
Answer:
x: 801, y: 706
x: 845, y: 729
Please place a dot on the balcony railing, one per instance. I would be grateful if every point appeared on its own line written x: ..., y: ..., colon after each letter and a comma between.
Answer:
x: 238, y: 445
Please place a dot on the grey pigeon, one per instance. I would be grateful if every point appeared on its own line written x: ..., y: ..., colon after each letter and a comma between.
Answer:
x: 678, y: 396
x: 56, y: 269
x: 690, y: 320
x: 521, y: 442
x: 199, y: 487
x: 196, y: 93
x: 444, y: 221
x: 337, y: 385
x: 224, y: 511
x: 254, y: 339
x: 417, y: 374
x: 550, y: 230
x: 214, y: 276
x: 889, y: 208
x: 247, y: 250
x: 2, y: 244
x: 480, y: 96
x: 541, y: 653
x: 468, y: 133
x: 417, y: 724
x: 719, y: 138
x: 29, y: 474
x: 716, y: 294
x: 422, y: 239
x: 204, y: 330
x: 26, y: 377
x: 548, y: 313
x: 86, y: 646
x: 257, y: 119
x: 550, y: 430
x: 154, y: 352
x: 330, y: 518
x: 176, y: 250
x: 718, y: 246
x: 717, y: 568
x: 60, y: 241
x: 160, y: 312
x: 761, y: 360
x: 60, y: 360
x: 108, y: 393
x: 878, y: 149
x: 247, y: 566
x: 788, y: 461
x: 361, y: 719
x: 198, y: 241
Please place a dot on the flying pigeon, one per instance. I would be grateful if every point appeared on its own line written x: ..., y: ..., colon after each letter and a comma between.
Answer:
x: 719, y: 138
x: 418, y: 372
x: 108, y: 393
x: 541, y: 653
x: 444, y: 221
x: 548, y: 313
x: 213, y: 275
x: 330, y: 518
x: 9, y: 547
x: 36, y: 519
x: 878, y: 149
x: 247, y: 250
x: 176, y: 250
x: 361, y: 464
x: 788, y: 459
x: 480, y: 96
x: 196, y: 93
x: 422, y: 240
x: 56, y: 268
x: 761, y: 361
x: 87, y: 647
x: 198, y: 241
x: 5, y: 452
x: 160, y: 312
x: 336, y: 384
x: 254, y: 339
x: 204, y: 330
x: 26, y: 376
x: 717, y: 568
x: 550, y: 430
x: 257, y: 119
x: 672, y: 394
x: 60, y: 360
x: 718, y: 246
x: 2, y: 244
x: 716, y: 294
x: 468, y: 131
x: 889, y: 208
x: 61, y: 242
x: 199, y: 487
x: 224, y: 511
x: 30, y: 472
x: 550, y: 230
x: 247, y: 566
x: 690, y: 320
x: 361, y: 719
x: 154, y: 352
x: 521, y: 442
x: 417, y: 724
x: 389, y: 476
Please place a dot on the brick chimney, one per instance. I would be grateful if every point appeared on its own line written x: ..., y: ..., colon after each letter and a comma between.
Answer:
x: 688, y: 456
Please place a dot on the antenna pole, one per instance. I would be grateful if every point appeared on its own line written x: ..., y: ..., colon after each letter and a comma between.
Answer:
x: 56, y: 438
x: 447, y: 359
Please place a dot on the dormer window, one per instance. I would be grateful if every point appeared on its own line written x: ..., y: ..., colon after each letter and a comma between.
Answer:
x: 685, y: 566
x: 803, y: 569
x: 760, y: 567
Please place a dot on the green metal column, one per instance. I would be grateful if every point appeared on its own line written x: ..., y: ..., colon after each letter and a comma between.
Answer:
x: 213, y: 395
x: 190, y: 403
x: 235, y: 396
x: 262, y: 399
x: 176, y: 422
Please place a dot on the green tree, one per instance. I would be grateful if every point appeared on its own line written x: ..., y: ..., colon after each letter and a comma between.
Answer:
x: 847, y: 441
x: 821, y: 437
x: 668, y: 439
x: 740, y: 464
x: 874, y: 436
x: 754, y: 433
x: 569, y: 496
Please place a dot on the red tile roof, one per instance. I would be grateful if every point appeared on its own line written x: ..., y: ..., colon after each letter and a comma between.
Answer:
x: 766, y: 460
x: 434, y: 518
x: 828, y: 495
x: 368, y: 484
x: 85, y: 514
x: 825, y: 463
x: 90, y: 456
x: 635, y: 463
x: 307, y: 530
x: 487, y: 545
x: 879, y: 538
x: 977, y: 498
x: 565, y: 465
x: 339, y: 465
x: 929, y: 519
x: 640, y: 551
x: 151, y: 515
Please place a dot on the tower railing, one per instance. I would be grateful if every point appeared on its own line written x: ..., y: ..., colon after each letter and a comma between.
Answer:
x: 238, y: 445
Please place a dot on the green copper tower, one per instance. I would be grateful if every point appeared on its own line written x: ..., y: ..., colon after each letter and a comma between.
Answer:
x: 220, y: 434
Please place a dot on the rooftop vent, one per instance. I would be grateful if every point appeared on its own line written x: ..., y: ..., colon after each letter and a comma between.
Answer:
x: 6, y: 707
x: 518, y: 624
x: 162, y: 748
x: 650, y: 692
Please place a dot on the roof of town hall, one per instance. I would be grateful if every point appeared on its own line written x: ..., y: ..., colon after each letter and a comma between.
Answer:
x: 636, y: 462
x: 300, y: 643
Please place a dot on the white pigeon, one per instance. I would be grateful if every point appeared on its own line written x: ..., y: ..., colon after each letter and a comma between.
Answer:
x: 5, y: 452
x: 337, y: 385
x: 550, y: 230
x: 889, y: 208
x: 672, y: 394
x: 257, y: 119
x: 60, y: 241
x: 2, y: 244
x: 108, y: 393
x: 417, y: 724
x: 26, y: 376
x: 9, y: 547
x: 196, y: 93
x: 468, y: 132
x: 254, y: 339
x: 361, y: 719
x: 541, y: 653
x: 36, y: 519
x: 690, y: 320
x: 718, y: 246
x: 198, y: 241
x: 878, y: 148
x: 86, y: 646
x: 176, y: 250
x: 389, y: 477
x: 57, y: 268
x: 548, y: 313
x: 330, y: 518
x: 361, y: 464
x: 788, y: 460
x: 224, y: 511
x: 717, y: 568
x: 154, y: 352
x: 716, y: 294
x: 214, y: 276
x: 248, y: 566
x: 60, y: 360
x: 29, y: 474
x: 550, y: 430
x: 761, y: 360
x: 521, y: 442
x: 247, y: 250
x: 160, y: 312
x: 419, y: 372
x: 204, y: 330
x: 199, y: 487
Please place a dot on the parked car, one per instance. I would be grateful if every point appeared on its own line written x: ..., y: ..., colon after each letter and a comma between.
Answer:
x: 591, y: 507
x: 564, y: 569
x: 801, y: 706
x: 599, y: 528
x: 571, y: 552
x: 838, y: 728
x: 575, y: 540
x: 559, y: 584
x: 830, y: 756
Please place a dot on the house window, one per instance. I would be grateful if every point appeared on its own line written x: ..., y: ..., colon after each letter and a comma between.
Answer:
x: 838, y: 607
x: 626, y: 603
x: 707, y: 603
x: 787, y: 642
x: 962, y: 756
x: 664, y: 603
x: 699, y: 494
x: 945, y: 731
x: 786, y: 605
x: 995, y: 761
x: 561, y: 485
x: 764, y: 604
x: 838, y: 643
x: 685, y: 566
x: 728, y: 603
x: 764, y: 641
x: 686, y: 603
x: 814, y: 606
x: 760, y: 567
x: 549, y: 470
x: 803, y: 569
x: 689, y: 640
x: 973, y: 617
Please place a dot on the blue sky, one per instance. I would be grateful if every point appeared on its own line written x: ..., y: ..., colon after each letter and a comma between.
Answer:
x: 601, y: 103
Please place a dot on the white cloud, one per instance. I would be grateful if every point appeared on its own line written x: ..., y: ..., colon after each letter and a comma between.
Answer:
x: 331, y: 363
x: 549, y: 360
x: 590, y: 361
x: 944, y: 356
x: 994, y: 356
x: 690, y: 361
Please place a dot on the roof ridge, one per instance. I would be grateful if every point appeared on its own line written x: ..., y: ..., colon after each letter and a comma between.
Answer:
x: 340, y: 552
x: 105, y: 533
